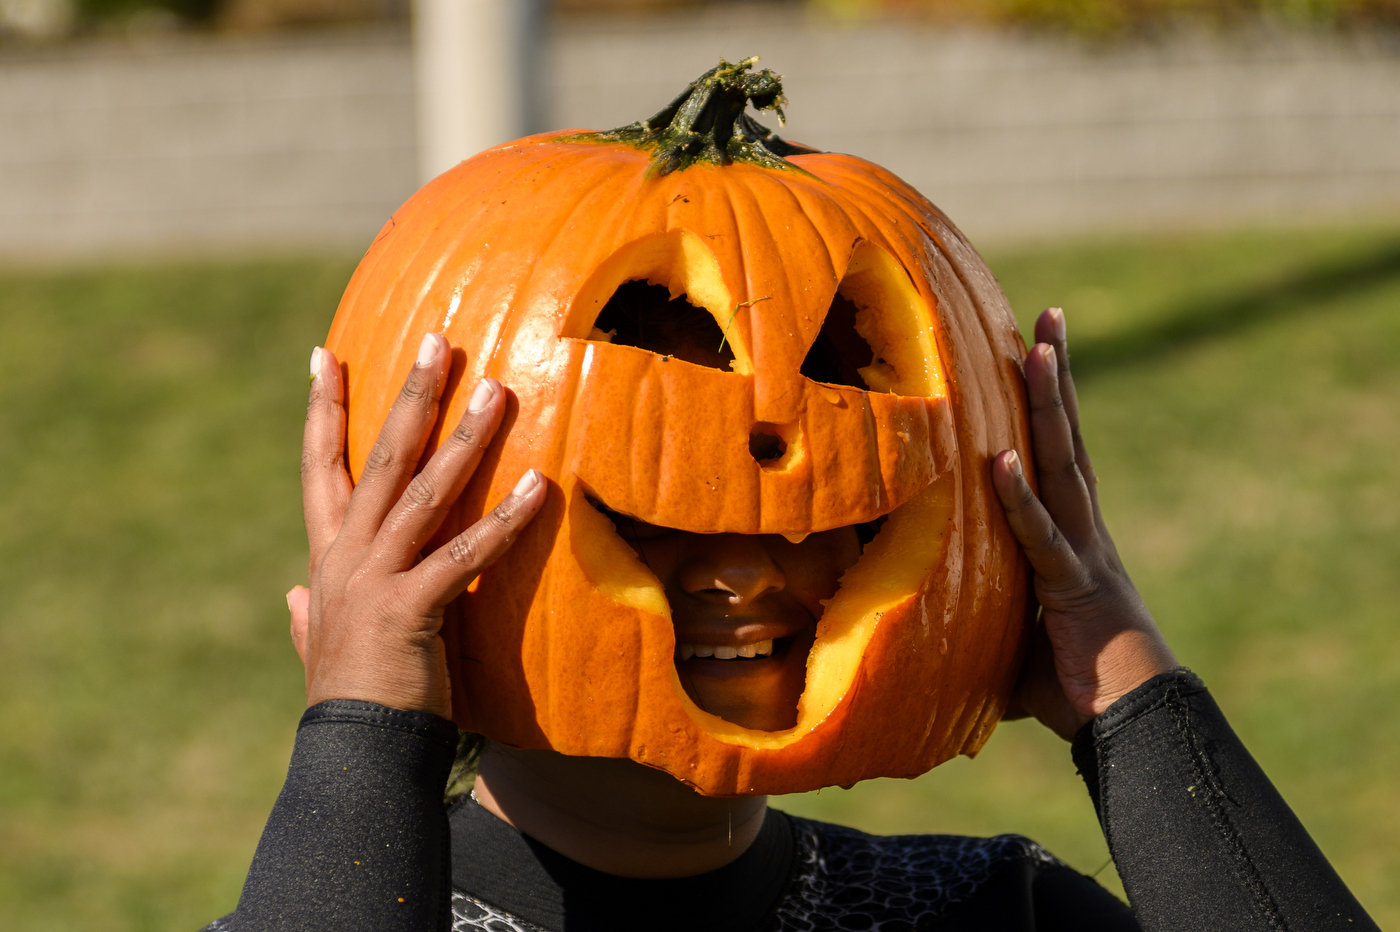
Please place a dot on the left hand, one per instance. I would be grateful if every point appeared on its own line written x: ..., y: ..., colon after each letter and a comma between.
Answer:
x: 1097, y: 641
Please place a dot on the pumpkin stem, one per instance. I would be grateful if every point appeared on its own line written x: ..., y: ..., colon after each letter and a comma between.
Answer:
x: 707, y: 124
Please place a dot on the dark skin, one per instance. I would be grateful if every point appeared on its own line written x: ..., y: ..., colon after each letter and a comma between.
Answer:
x: 368, y: 627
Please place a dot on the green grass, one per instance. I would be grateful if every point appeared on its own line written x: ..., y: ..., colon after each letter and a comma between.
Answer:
x: 1241, y: 396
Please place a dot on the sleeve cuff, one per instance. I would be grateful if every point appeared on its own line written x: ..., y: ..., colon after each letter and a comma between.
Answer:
x: 1162, y: 689
x: 424, y: 725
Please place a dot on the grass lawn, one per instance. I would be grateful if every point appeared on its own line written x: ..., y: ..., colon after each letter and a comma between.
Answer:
x: 1241, y: 395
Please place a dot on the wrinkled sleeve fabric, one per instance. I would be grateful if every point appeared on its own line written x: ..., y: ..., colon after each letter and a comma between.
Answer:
x: 1200, y: 837
x: 358, y: 838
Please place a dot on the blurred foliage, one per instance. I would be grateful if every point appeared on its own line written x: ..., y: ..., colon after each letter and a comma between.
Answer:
x: 1241, y: 395
x: 1092, y: 18
x: 190, y: 10
x: 242, y: 14
x: 1108, y: 18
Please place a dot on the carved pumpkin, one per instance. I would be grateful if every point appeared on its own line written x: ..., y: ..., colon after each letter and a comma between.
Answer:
x: 875, y: 369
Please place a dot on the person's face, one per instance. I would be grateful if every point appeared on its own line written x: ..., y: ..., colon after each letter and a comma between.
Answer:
x: 745, y: 610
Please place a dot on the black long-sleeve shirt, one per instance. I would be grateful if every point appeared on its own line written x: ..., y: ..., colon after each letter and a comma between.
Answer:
x: 359, y: 839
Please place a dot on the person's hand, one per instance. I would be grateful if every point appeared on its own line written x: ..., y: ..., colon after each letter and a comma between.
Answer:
x: 368, y: 626
x: 1097, y: 641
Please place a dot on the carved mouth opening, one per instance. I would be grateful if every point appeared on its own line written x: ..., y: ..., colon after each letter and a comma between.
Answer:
x: 897, y: 550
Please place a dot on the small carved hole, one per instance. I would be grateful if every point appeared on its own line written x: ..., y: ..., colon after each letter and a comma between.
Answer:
x: 766, y: 447
x: 647, y: 317
x: 839, y: 351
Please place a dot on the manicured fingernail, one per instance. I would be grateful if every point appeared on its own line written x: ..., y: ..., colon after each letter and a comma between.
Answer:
x: 1013, y: 463
x: 1057, y: 323
x: 527, y: 483
x: 1047, y: 354
x: 481, y: 396
x: 428, y: 350
x: 315, y: 362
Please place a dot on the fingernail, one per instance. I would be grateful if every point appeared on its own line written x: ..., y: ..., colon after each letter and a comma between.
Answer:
x: 289, y: 598
x: 1013, y: 463
x: 1047, y: 353
x: 527, y: 483
x: 428, y: 350
x: 315, y: 362
x: 481, y: 396
x: 1057, y: 323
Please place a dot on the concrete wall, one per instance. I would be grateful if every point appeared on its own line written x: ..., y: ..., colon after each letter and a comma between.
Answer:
x: 309, y: 140
x: 198, y: 145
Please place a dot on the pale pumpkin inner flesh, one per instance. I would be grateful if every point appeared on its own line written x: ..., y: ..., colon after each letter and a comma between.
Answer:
x: 895, y: 326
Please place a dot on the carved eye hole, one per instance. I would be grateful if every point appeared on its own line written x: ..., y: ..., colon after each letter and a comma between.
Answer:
x: 647, y: 317
x: 839, y: 352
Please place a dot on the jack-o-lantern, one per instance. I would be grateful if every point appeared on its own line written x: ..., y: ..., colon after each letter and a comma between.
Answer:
x: 871, y: 367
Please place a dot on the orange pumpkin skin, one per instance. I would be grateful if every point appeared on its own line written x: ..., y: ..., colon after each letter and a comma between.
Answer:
x: 511, y: 254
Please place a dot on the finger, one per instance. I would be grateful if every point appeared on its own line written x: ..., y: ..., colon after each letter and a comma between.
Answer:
x: 1050, y: 328
x: 425, y: 501
x: 443, y: 575
x: 1049, y: 552
x: 1062, y: 486
x: 400, y: 443
x: 299, y: 605
x: 325, y: 484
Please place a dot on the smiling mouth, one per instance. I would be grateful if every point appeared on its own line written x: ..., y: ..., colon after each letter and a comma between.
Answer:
x: 755, y: 685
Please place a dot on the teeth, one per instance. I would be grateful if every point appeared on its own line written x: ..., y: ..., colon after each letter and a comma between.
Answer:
x: 720, y: 652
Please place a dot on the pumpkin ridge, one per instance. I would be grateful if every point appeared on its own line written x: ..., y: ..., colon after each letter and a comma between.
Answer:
x: 889, y: 190
x: 560, y: 225
x: 379, y: 252
x: 751, y: 219
x: 744, y: 323
x: 789, y: 192
x: 454, y: 223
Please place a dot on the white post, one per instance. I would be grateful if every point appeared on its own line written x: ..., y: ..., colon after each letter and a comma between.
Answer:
x: 476, y: 63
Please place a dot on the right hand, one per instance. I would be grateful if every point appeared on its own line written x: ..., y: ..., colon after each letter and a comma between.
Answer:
x: 368, y: 627
x: 1098, y: 641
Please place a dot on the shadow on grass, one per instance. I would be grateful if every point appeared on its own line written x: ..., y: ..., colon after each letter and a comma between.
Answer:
x: 1197, y: 321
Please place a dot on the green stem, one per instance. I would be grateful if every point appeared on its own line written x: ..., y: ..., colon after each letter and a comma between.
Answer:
x: 707, y: 124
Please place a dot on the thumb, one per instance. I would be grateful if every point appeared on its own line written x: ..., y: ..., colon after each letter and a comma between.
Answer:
x: 299, y: 604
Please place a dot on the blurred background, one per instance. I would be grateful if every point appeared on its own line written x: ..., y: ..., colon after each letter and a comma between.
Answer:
x: 1211, y: 188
